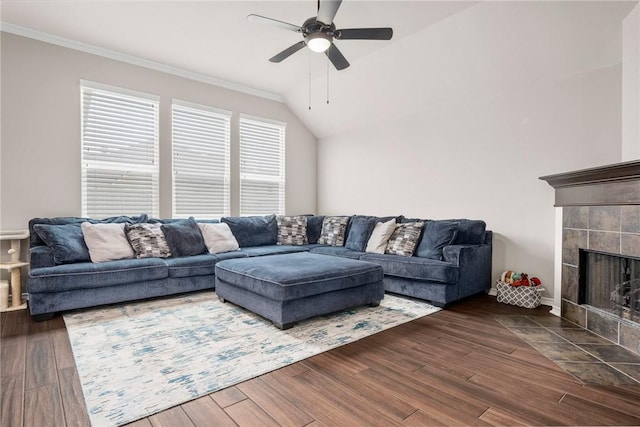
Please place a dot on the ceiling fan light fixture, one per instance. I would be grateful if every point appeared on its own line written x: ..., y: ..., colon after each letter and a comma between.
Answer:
x: 318, y: 42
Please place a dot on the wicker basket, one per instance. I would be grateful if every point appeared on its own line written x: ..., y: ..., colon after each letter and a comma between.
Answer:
x: 522, y: 296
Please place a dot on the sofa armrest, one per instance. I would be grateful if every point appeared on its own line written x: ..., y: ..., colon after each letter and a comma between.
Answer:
x: 474, y: 263
x: 451, y: 253
x: 41, y: 256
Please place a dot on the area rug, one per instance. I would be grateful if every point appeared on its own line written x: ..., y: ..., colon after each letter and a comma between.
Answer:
x: 137, y: 359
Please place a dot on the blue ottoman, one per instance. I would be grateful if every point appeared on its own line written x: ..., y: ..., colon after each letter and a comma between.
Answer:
x: 292, y: 287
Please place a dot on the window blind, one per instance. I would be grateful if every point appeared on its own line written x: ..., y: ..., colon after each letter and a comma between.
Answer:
x: 200, y: 145
x: 119, y: 138
x: 262, y: 167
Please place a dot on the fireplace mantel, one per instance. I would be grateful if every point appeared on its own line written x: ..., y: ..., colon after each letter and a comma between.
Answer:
x: 610, y: 185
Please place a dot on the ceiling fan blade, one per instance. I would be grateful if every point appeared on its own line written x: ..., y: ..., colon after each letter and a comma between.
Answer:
x: 288, y: 52
x: 364, y: 34
x: 336, y: 57
x: 264, y: 20
x: 328, y: 10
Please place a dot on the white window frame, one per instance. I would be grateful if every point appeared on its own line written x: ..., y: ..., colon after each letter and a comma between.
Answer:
x: 196, y: 136
x: 95, y: 137
x: 250, y: 139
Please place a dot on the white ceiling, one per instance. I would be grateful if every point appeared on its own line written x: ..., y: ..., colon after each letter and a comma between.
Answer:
x: 214, y: 37
x: 440, y: 51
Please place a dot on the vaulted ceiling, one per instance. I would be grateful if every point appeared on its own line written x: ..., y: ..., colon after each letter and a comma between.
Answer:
x: 441, y: 51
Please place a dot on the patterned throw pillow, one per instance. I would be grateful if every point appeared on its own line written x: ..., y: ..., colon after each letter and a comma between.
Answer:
x: 147, y: 240
x: 333, y: 230
x: 292, y: 230
x: 404, y: 239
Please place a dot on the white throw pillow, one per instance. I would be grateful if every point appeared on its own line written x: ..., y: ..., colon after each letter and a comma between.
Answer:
x: 380, y: 236
x: 218, y: 237
x: 106, y: 242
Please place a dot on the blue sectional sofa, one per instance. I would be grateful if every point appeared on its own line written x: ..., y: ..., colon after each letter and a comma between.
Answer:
x: 62, y: 276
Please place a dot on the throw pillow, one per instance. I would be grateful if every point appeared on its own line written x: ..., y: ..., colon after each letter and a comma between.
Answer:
x: 66, y: 241
x: 470, y: 232
x: 253, y: 230
x: 147, y: 240
x: 404, y: 239
x: 106, y: 242
x: 314, y: 228
x: 380, y: 236
x: 333, y: 229
x: 218, y: 238
x: 34, y: 237
x: 359, y: 233
x: 437, y: 235
x: 184, y: 237
x: 292, y: 230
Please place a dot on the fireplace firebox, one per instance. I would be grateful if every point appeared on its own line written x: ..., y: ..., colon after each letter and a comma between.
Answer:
x: 610, y: 282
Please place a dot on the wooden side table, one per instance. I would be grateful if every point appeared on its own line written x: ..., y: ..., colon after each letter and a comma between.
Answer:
x: 14, y: 266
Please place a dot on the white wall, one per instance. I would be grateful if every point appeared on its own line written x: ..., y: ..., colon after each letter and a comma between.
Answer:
x: 40, y: 166
x: 462, y: 118
x: 631, y: 85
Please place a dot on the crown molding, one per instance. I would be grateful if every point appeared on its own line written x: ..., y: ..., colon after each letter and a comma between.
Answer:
x: 134, y: 60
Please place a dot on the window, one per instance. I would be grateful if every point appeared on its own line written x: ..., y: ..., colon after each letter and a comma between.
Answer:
x: 262, y: 175
x: 201, y: 140
x: 119, y: 138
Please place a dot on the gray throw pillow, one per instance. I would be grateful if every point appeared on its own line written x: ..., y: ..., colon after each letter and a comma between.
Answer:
x: 147, y: 240
x: 292, y: 230
x: 404, y: 239
x: 333, y: 230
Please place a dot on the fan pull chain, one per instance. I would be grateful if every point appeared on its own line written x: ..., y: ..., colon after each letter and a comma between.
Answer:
x: 327, y: 82
x: 309, y: 56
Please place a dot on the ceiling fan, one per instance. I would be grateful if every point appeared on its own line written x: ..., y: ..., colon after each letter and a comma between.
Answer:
x: 319, y: 33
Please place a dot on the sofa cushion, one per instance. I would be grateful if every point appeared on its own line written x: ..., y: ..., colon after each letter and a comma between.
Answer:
x: 436, y: 235
x: 295, y: 276
x: 470, y: 232
x: 271, y: 250
x: 66, y: 241
x: 337, y: 251
x: 106, y: 242
x: 292, y: 230
x: 414, y: 267
x: 360, y: 229
x: 147, y: 240
x: 380, y: 236
x: 218, y: 238
x: 253, y: 230
x: 314, y: 228
x: 333, y: 230
x: 231, y: 255
x: 184, y: 238
x: 196, y: 265
x: 85, y: 275
x: 404, y: 239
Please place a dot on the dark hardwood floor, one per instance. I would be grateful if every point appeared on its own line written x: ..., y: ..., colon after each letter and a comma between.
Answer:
x: 456, y: 367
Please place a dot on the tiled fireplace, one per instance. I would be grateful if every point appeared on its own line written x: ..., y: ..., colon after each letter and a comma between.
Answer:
x: 601, y: 245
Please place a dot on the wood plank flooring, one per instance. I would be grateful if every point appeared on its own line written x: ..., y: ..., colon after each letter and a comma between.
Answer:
x: 456, y: 367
